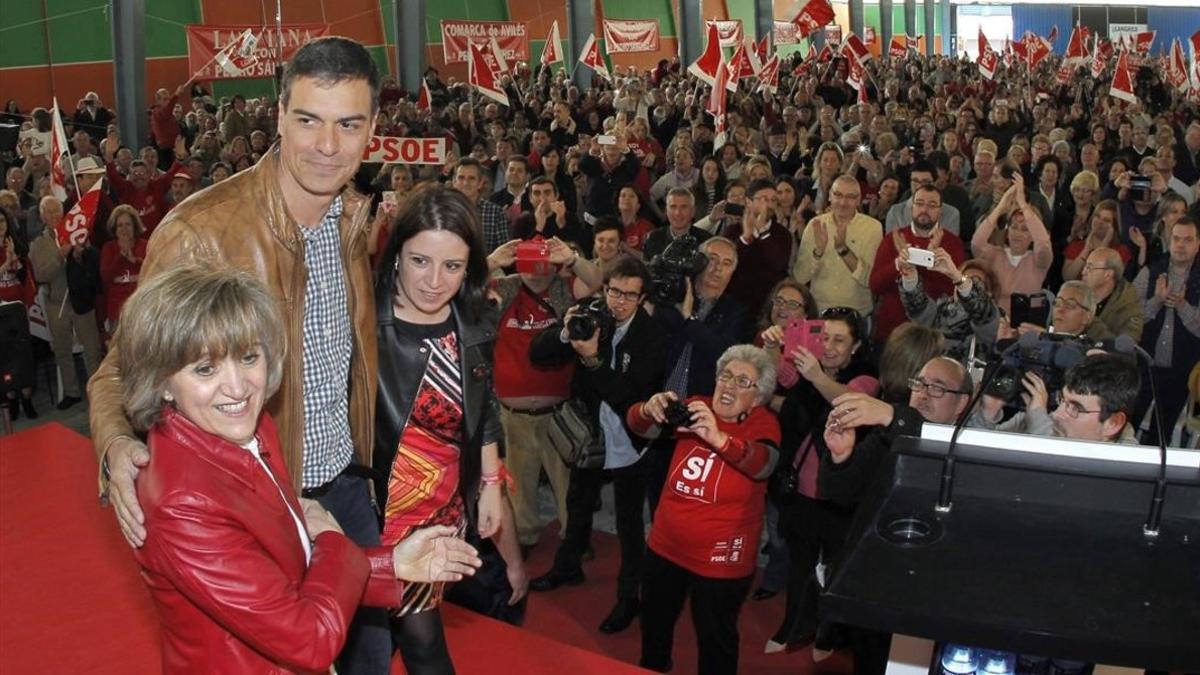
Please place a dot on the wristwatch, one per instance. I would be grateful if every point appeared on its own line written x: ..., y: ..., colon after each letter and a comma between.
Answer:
x: 842, y: 251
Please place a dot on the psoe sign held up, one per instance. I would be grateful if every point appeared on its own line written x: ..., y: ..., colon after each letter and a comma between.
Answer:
x: 397, y: 150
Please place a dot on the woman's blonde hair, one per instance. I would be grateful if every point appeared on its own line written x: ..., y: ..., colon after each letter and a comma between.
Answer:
x: 186, y: 314
x: 1086, y: 179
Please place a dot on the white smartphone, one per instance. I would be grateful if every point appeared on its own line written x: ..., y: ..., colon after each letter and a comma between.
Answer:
x: 606, y: 139
x: 920, y: 257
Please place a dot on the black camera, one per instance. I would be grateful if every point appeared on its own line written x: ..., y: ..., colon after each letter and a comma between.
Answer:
x: 1049, y: 359
x: 669, y: 270
x: 592, y: 314
x: 677, y: 414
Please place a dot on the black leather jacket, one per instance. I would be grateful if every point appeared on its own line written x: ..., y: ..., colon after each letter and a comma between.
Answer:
x: 402, y: 365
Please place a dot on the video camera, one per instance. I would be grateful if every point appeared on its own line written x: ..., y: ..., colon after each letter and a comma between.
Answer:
x: 1049, y: 358
x: 669, y: 270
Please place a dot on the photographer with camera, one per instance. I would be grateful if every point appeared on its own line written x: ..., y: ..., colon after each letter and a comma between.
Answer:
x: 913, y: 251
x: 704, y: 541
x: 619, y: 349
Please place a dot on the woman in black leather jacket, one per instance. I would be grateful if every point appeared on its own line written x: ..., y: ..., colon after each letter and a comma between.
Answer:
x: 437, y: 429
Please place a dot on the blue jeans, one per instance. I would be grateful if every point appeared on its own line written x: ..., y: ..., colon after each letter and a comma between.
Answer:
x: 368, y: 649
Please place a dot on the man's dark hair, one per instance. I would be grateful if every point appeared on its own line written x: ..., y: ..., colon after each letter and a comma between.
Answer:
x: 928, y: 187
x: 758, y: 186
x: 1112, y: 378
x: 331, y: 60
x: 629, y: 267
x: 939, y: 160
x: 468, y: 161
x: 543, y: 180
x: 737, y: 183
x: 606, y: 223
x: 924, y: 166
x: 519, y: 159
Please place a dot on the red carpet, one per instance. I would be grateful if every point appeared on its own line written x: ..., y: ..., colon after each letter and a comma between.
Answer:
x: 71, y: 600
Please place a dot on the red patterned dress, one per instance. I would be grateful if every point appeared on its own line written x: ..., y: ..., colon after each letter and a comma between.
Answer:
x: 423, y: 480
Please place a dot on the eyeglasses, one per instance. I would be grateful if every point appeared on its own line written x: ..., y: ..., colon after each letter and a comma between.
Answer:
x: 933, y: 390
x: 784, y: 303
x: 618, y: 294
x: 740, y: 381
x: 840, y: 313
x: 1074, y: 410
x: 1071, y: 304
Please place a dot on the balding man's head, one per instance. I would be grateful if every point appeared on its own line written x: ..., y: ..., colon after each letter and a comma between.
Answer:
x: 1101, y: 271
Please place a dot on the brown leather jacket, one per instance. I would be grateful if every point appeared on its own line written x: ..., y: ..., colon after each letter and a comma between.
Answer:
x: 244, y: 222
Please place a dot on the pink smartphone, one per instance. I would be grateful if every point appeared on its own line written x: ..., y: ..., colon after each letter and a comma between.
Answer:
x: 807, y: 333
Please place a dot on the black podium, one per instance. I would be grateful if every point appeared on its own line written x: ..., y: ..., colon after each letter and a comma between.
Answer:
x: 1041, y: 553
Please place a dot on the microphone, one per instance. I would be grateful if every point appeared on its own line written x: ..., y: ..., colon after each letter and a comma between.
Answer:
x: 946, y: 489
x: 1128, y: 345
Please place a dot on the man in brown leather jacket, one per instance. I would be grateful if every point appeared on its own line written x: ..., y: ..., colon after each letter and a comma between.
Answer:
x: 291, y: 221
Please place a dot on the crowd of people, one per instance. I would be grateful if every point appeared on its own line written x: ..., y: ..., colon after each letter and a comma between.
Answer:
x: 742, y: 322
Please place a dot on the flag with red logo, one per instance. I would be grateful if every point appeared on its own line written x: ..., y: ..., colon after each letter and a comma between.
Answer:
x: 896, y: 49
x: 813, y: 16
x: 1177, y: 70
x: 424, y: 100
x: 1038, y: 48
x: 762, y: 50
x: 857, y: 48
x: 1122, y: 84
x: 1195, y: 40
x: 552, y: 51
x: 239, y: 56
x: 1143, y: 40
x: 59, y: 156
x: 481, y: 74
x: 768, y: 77
x: 854, y: 75
x: 826, y: 54
x: 705, y: 68
x: 592, y: 58
x: 988, y: 60
x: 1098, y: 60
x: 740, y: 66
x: 1076, y: 48
x: 1063, y: 74
x: 75, y: 228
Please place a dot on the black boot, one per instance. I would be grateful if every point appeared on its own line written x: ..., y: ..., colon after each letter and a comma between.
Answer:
x: 27, y: 406
x: 621, y: 616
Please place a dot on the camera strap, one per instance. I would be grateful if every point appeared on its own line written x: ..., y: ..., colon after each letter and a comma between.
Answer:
x: 540, y: 300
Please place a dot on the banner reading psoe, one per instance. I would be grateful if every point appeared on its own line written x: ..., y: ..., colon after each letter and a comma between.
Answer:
x: 398, y: 150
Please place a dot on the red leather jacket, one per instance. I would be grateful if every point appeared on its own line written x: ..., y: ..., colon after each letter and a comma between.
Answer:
x: 226, y: 566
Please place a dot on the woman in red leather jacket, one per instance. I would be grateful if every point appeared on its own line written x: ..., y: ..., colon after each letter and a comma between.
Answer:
x: 247, y: 578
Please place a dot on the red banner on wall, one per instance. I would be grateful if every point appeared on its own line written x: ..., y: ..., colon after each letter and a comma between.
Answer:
x: 206, y: 41
x: 512, y: 36
x: 730, y: 32
x: 785, y: 33
x: 627, y: 36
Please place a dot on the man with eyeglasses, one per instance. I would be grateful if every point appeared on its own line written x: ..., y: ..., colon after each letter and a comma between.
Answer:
x: 837, y: 251
x: 613, y: 373
x: 923, y: 173
x: 892, y: 264
x: 1117, y: 304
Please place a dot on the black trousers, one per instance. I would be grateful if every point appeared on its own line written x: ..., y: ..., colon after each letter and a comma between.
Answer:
x: 715, y: 607
x: 811, y: 528
x: 629, y: 491
x: 1172, y: 394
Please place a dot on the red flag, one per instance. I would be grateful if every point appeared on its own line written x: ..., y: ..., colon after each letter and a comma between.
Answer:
x: 854, y: 76
x: 857, y: 48
x: 826, y: 54
x: 1105, y: 49
x: 896, y: 49
x: 813, y: 16
x: 1053, y: 34
x: 59, y: 156
x: 1039, y: 49
x: 742, y: 65
x: 480, y: 74
x: 988, y: 62
x: 1064, y: 74
x: 1020, y: 50
x: 592, y: 58
x: 1177, y: 71
x: 984, y: 45
x: 424, y: 100
x: 76, y: 226
x: 706, y: 66
x: 1122, y: 85
x: 1143, y: 40
x: 768, y: 77
x: 1076, y: 48
x: 552, y: 51
x: 763, y: 49
x: 1098, y: 60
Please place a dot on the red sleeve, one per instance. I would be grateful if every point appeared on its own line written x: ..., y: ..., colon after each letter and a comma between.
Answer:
x: 1073, y: 250
x: 638, y: 423
x: 161, y: 185
x: 220, y: 567
x: 120, y: 183
x: 884, y: 274
x: 383, y: 588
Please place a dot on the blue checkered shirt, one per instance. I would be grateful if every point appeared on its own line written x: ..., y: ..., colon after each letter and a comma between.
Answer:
x: 494, y: 223
x: 328, y: 344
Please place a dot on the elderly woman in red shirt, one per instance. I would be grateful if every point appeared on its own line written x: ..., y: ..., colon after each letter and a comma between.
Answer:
x: 705, y: 538
x: 246, y: 577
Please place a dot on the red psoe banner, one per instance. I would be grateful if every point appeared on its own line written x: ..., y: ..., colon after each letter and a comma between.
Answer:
x: 512, y: 36
x: 206, y: 41
x: 626, y: 36
x: 397, y: 150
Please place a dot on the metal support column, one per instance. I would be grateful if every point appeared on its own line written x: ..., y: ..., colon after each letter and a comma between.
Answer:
x: 856, y: 18
x: 910, y: 19
x: 764, y: 18
x: 129, y: 71
x: 947, y: 24
x: 581, y: 22
x: 690, y: 31
x: 885, y: 26
x: 408, y: 20
x: 929, y: 30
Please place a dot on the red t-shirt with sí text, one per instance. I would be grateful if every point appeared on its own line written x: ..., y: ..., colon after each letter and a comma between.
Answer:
x: 710, y: 515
